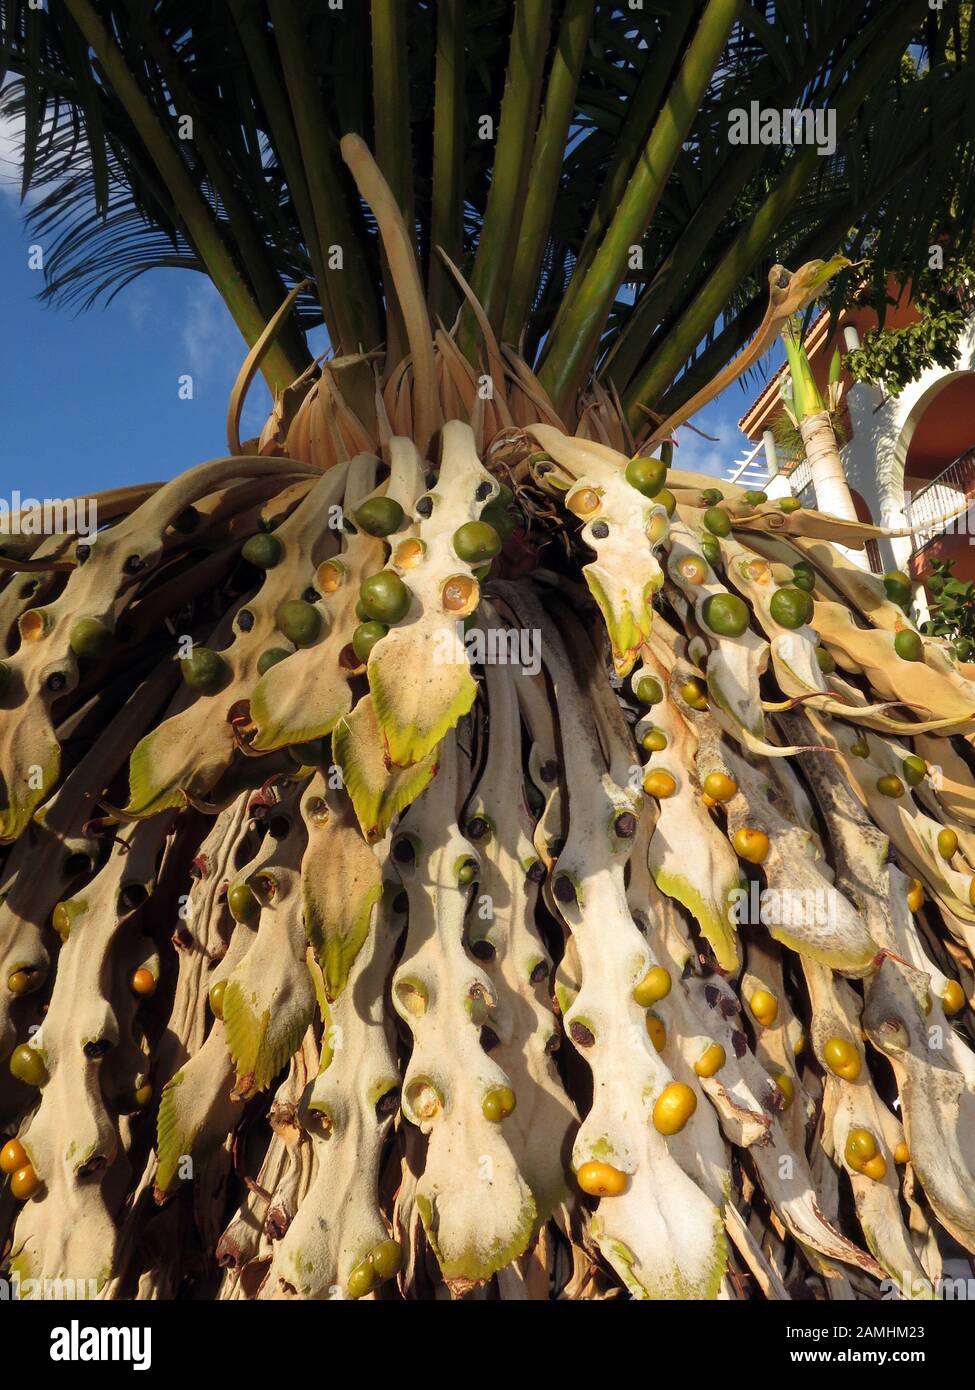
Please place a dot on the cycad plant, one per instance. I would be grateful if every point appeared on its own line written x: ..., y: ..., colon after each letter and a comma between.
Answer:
x: 447, y: 847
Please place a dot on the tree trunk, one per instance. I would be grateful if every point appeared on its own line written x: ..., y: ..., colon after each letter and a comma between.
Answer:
x: 829, y: 480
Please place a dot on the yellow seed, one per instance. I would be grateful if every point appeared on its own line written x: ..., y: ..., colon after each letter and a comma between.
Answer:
x: 329, y: 576
x: 657, y: 1032
x: 142, y: 981
x: 409, y: 553
x: 584, y: 502
x: 875, y: 1168
x: 764, y: 1006
x: 842, y: 1058
x: 902, y: 1153
x: 20, y: 981
x: 915, y: 895
x: 654, y: 740
x: 751, y: 845
x: 693, y: 569
x: 674, y: 1107
x: 712, y: 1059
x: 953, y: 998
x: 719, y: 786
x: 787, y: 1087
x: 947, y: 843
x: 13, y: 1155
x: 694, y: 694
x: 654, y: 986
x: 24, y: 1183
x: 659, y: 784
x: 460, y: 594
x: 601, y: 1180
x: 861, y: 1147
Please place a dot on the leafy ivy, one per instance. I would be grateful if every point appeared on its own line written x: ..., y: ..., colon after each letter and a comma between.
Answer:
x: 945, y: 300
x: 953, y: 609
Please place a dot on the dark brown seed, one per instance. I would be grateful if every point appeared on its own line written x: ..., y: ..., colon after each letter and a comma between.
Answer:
x: 483, y: 950
x: 489, y: 1038
x: 564, y: 889
x: 540, y: 972
x: 581, y: 1035
x: 536, y: 872
x: 625, y: 826
x: 549, y: 770
x: 388, y: 1103
x: 600, y: 530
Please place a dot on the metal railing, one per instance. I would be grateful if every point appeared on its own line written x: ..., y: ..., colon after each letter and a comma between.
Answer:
x: 936, y: 501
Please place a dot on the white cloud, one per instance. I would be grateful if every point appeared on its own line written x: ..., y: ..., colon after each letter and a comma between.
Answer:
x: 215, y: 352
x: 695, y: 454
x: 208, y: 335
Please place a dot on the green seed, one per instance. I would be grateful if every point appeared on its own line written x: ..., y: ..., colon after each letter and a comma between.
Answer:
x: 908, y: 645
x: 215, y: 997
x: 300, y: 622
x: 947, y: 843
x: 860, y: 748
x: 263, y: 551
x: 243, y: 904
x: 365, y: 638
x: 271, y: 658
x: 710, y: 497
x: 380, y: 516
x: 498, y: 1103
x: 385, y: 597
x: 386, y: 1258
x: 204, y: 670
x: 647, y: 475
x: 654, y: 741
x: 826, y: 663
x: 914, y: 769
x: 718, y: 522
x: 667, y: 500
x: 789, y: 504
x: 804, y: 581
x: 27, y: 1065
x: 90, y: 639
x: 648, y: 690
x: 725, y: 614
x: 890, y: 786
x: 467, y: 872
x: 755, y: 499
x: 790, y: 607
x: 476, y: 541
x: 897, y: 586
x: 711, y: 550
x: 362, y: 1280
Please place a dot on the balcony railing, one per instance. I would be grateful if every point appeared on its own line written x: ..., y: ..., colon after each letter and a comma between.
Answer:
x: 944, y: 495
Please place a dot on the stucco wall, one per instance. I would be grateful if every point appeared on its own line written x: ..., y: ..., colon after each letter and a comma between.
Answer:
x: 882, y: 430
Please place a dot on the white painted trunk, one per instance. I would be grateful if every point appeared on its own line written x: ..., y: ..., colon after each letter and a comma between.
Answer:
x: 828, y: 478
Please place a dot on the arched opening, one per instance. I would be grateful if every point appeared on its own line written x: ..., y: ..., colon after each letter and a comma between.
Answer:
x: 936, y: 454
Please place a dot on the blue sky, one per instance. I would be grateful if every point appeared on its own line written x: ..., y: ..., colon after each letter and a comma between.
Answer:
x: 91, y: 400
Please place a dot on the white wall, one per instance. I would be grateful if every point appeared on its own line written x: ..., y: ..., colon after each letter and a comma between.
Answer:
x: 882, y: 431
